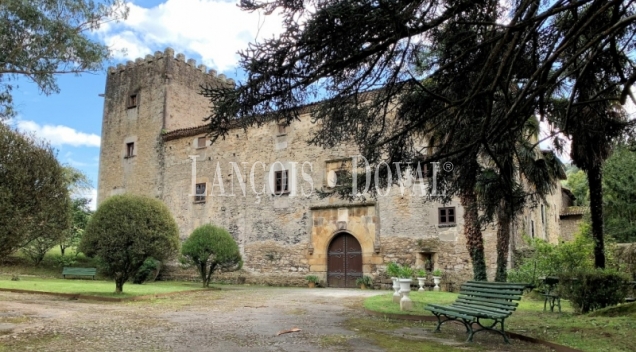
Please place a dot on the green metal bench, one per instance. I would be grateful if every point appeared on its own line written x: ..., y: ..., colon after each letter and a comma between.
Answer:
x: 481, y: 300
x: 79, y: 272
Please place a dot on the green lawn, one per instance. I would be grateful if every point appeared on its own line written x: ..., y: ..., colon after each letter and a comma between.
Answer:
x: 607, y: 330
x: 95, y: 287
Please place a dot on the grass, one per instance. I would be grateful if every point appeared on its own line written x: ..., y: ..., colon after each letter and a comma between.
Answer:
x: 607, y: 330
x: 51, y: 266
x: 95, y: 287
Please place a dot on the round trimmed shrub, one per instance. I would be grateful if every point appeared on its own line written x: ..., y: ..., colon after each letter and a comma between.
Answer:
x: 210, y: 248
x: 125, y: 231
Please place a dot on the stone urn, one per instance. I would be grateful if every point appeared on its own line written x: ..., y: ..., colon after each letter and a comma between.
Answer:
x: 421, y: 281
x: 436, y: 281
x: 405, y: 289
x: 396, y: 288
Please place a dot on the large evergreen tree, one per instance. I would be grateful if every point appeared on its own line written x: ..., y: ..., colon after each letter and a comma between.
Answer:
x: 472, y: 73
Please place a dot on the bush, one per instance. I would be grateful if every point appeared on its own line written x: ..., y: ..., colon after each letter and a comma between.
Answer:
x: 148, y: 271
x: 34, y: 200
x: 593, y: 289
x: 210, y: 248
x: 545, y: 259
x: 125, y: 231
x: 312, y: 278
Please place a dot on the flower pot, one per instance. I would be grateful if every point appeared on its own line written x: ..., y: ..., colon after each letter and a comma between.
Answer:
x: 421, y: 281
x: 405, y: 289
x: 396, y: 288
x: 436, y: 281
x: 363, y: 286
x: 312, y: 285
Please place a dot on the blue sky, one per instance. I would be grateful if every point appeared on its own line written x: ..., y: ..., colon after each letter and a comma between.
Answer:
x: 210, y: 31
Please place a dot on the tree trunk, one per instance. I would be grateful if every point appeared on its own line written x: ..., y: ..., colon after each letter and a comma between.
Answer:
x: 62, y: 249
x: 595, y: 181
x: 474, y: 239
x: 203, y: 266
x: 119, y: 283
x: 503, y: 241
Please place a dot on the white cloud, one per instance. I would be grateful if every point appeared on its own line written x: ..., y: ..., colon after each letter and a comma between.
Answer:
x: 59, y: 135
x: 213, y: 29
x: 92, y: 194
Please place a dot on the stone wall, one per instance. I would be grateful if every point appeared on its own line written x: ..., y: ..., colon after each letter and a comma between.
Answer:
x: 289, y: 235
x: 570, y: 226
x: 282, y: 238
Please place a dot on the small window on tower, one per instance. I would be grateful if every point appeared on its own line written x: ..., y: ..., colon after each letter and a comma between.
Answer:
x: 282, y: 129
x: 132, y: 101
x: 130, y: 149
x: 201, y: 142
x: 199, y: 193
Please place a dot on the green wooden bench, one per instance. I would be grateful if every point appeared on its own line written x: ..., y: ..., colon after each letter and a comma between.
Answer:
x: 79, y: 272
x: 481, y: 300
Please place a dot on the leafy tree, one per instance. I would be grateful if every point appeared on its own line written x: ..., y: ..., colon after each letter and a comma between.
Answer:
x: 577, y: 183
x: 210, y: 248
x: 80, y: 215
x: 591, y: 114
x: 43, y: 38
x: 125, y: 231
x: 34, y: 200
x: 619, y: 186
x: 484, y: 71
x: 78, y: 184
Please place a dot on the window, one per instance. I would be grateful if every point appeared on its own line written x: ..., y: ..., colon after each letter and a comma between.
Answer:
x: 201, y: 141
x: 447, y: 216
x: 532, y: 228
x: 199, y: 193
x: 281, y: 185
x: 542, y: 214
x: 282, y: 129
x: 132, y: 101
x: 130, y: 149
x: 340, y: 176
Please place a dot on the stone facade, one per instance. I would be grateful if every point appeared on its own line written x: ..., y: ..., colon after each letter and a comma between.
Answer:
x: 284, y: 237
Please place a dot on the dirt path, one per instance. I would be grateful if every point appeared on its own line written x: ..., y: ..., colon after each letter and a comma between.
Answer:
x: 233, y: 319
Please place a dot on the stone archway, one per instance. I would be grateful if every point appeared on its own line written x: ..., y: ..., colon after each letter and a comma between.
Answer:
x: 344, y: 263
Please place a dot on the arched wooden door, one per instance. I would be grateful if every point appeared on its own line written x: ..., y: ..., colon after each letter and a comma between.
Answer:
x: 344, y: 265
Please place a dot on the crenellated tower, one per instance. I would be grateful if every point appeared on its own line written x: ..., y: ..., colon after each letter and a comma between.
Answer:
x: 144, y: 99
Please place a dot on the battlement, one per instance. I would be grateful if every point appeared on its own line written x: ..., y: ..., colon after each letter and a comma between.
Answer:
x: 169, y: 54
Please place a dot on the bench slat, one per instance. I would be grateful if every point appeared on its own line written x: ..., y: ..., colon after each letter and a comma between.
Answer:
x: 488, y: 300
x: 482, y: 307
x: 79, y: 271
x: 491, y: 295
x: 488, y: 304
x: 442, y: 310
x: 486, y: 290
x: 473, y: 312
x: 509, y: 285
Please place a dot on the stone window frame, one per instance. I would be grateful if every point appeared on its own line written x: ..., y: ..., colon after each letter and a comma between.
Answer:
x: 283, y: 177
x: 281, y: 129
x: 444, y: 220
x: 132, y: 101
x: 200, y: 197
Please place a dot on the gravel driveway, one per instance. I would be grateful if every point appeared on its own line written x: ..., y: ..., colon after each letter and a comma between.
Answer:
x: 233, y: 319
